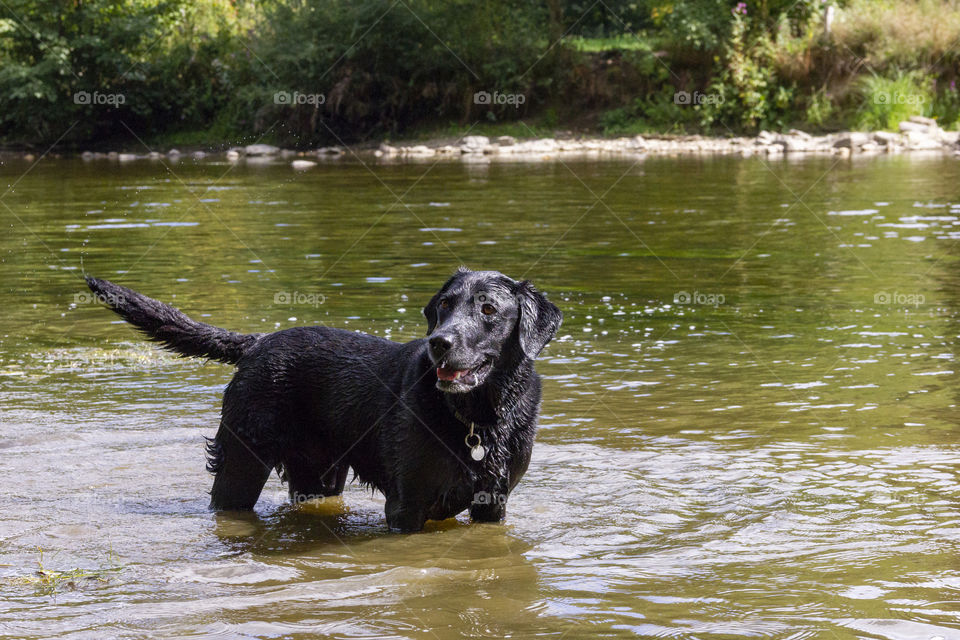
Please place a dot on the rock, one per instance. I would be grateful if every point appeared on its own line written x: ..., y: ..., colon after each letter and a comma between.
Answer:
x: 87, y: 155
x: 154, y: 155
x: 329, y: 151
x: 930, y: 122
x: 800, y: 134
x: 173, y: 153
x: 126, y: 157
x: 921, y: 140
x: 543, y: 145
x: 261, y: 150
x: 886, y: 137
x: 766, y: 137
x: 288, y: 153
x: 302, y: 165
x: 907, y: 126
x: 506, y: 141
x: 387, y: 150
x: 474, y: 144
x: 949, y: 137
x: 843, y: 152
x: 448, y: 149
x: 198, y: 155
x: 851, y: 140
x: 112, y: 155
x: 233, y: 155
x: 419, y: 150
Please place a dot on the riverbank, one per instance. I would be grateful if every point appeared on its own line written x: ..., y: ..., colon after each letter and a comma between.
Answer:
x: 916, y: 134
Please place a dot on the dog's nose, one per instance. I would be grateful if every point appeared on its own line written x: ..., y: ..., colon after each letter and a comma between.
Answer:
x: 440, y: 345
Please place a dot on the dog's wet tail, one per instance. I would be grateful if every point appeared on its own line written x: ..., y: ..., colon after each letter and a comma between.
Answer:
x: 170, y: 327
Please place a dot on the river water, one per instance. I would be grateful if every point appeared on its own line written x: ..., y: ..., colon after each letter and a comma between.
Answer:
x: 749, y: 425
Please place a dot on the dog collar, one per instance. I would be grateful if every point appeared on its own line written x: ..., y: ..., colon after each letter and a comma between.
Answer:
x: 470, y: 423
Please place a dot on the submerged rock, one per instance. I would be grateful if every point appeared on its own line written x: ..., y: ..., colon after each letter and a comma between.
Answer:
x: 261, y: 150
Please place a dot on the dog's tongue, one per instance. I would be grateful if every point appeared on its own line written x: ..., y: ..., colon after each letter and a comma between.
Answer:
x: 446, y: 373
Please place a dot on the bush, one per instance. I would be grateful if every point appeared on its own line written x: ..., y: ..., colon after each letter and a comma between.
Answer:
x: 60, y: 58
x: 382, y: 67
x: 888, y: 101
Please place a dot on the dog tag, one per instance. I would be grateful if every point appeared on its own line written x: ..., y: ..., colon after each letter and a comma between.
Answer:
x: 478, y: 452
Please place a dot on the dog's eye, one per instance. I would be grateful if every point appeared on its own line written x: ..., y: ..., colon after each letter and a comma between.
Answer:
x: 444, y: 304
x: 488, y: 309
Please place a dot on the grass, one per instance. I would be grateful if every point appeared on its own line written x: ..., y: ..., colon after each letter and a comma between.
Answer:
x: 889, y: 101
x: 50, y: 581
x: 626, y: 42
x: 899, y: 34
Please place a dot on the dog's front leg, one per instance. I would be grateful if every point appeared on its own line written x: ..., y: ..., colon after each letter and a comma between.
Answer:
x: 405, y: 516
x: 489, y: 502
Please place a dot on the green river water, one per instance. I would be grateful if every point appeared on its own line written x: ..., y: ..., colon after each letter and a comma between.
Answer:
x: 749, y: 427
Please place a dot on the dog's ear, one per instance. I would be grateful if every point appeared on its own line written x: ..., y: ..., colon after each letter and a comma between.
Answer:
x: 539, y: 319
x: 430, y: 311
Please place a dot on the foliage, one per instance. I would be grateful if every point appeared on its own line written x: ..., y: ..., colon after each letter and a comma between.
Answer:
x: 58, y: 57
x: 889, y: 35
x: 888, y: 101
x: 819, y: 108
x: 213, y: 70
x: 379, y: 68
x: 742, y: 89
x: 50, y: 581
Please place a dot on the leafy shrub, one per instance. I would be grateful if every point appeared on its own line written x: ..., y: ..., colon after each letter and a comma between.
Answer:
x: 380, y: 70
x: 57, y: 57
x: 885, y: 102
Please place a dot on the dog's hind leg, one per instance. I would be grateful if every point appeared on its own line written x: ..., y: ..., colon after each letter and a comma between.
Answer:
x: 241, y: 471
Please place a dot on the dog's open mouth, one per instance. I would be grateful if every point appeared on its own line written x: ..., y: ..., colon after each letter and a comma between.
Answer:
x: 452, y: 378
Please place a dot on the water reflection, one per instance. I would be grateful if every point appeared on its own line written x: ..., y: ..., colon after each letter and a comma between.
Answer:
x: 771, y: 455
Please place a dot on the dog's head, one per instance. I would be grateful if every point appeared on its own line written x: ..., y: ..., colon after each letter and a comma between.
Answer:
x: 481, y: 318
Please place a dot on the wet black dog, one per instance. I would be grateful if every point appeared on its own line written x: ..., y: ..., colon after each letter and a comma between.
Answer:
x: 438, y: 425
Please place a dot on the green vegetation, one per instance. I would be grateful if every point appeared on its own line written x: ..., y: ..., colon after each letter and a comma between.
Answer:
x: 310, y: 72
x: 49, y: 581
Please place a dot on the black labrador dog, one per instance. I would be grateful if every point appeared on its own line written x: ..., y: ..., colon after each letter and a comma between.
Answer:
x: 438, y: 425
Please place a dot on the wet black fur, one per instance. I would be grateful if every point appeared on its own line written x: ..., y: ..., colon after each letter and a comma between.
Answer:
x: 315, y: 402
